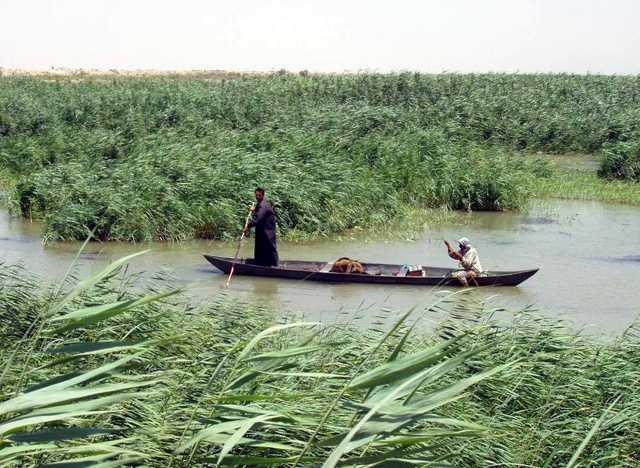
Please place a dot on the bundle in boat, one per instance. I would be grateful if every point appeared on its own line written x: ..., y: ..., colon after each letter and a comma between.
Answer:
x: 347, y: 265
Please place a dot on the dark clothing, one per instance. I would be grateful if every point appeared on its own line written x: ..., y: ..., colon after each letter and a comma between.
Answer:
x: 264, y: 220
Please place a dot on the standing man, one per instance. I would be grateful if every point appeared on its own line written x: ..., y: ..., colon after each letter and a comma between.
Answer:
x: 469, y: 261
x: 264, y: 220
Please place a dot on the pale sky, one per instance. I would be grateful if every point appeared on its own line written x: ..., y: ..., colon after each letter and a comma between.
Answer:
x: 578, y: 36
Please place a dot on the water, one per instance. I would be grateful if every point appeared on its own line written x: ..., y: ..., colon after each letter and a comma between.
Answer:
x: 588, y: 254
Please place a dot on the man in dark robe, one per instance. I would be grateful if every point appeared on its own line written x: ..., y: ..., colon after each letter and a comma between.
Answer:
x: 264, y: 221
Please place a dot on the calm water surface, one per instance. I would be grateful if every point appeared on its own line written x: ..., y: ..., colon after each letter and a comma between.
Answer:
x: 588, y: 254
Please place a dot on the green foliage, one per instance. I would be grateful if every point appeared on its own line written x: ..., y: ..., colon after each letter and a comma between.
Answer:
x: 58, y: 418
x: 20, y: 303
x: 163, y: 158
x: 574, y: 177
x: 621, y: 160
x: 237, y: 389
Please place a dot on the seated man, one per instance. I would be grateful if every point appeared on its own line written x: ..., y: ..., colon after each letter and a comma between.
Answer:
x: 469, y: 261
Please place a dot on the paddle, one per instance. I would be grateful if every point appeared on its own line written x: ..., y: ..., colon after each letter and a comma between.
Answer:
x: 244, y: 231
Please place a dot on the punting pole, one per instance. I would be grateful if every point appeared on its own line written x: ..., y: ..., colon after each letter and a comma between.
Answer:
x: 244, y: 230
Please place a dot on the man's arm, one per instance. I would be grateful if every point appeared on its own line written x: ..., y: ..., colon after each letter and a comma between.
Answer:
x: 452, y: 253
x: 260, y: 214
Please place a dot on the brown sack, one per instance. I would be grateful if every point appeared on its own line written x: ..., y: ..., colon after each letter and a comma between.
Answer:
x: 347, y: 265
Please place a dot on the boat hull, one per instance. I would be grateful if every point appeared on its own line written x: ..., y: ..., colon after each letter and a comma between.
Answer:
x: 380, y: 273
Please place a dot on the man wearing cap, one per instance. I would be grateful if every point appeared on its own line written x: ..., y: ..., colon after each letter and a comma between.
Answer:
x: 469, y: 261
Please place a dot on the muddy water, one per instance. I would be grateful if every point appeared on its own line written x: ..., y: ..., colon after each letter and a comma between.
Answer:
x: 588, y: 254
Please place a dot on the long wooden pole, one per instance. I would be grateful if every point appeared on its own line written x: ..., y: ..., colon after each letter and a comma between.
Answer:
x: 244, y: 230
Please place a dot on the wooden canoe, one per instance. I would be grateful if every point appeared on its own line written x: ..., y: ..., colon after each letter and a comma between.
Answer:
x: 377, y: 273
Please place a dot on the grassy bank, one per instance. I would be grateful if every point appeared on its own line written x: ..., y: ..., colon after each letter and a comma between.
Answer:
x: 575, y: 177
x: 97, y: 373
x: 586, y: 186
x: 163, y: 158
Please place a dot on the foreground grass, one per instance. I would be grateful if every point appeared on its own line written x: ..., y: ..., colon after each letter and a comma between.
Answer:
x: 97, y: 374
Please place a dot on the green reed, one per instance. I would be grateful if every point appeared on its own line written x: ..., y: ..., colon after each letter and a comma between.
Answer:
x: 165, y: 158
x: 99, y: 373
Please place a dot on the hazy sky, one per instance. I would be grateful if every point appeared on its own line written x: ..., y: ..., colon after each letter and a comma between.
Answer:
x: 325, y: 35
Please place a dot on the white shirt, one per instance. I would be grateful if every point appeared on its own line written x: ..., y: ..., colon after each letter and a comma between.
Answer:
x: 470, y: 260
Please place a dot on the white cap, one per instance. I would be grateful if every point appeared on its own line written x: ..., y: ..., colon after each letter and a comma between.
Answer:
x: 464, y: 241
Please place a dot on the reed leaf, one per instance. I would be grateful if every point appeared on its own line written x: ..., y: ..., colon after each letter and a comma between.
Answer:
x: 92, y: 315
x: 92, y: 280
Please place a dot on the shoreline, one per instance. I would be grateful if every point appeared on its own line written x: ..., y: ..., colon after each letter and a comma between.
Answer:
x: 565, y: 184
x: 73, y: 72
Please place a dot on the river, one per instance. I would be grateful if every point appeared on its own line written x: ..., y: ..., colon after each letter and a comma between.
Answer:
x: 588, y: 254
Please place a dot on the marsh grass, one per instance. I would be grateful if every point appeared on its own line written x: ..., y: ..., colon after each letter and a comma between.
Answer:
x: 621, y: 160
x: 581, y: 185
x: 409, y: 223
x: 177, y: 187
x: 146, y: 377
x: 160, y: 158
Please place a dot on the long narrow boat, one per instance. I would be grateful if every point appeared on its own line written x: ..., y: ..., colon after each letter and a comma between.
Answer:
x: 378, y: 273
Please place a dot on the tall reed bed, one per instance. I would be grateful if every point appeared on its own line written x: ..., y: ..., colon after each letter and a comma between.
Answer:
x: 177, y: 187
x: 100, y: 374
x: 555, y: 113
x: 159, y: 158
x: 621, y: 160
